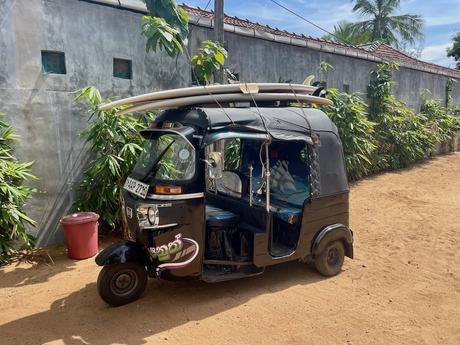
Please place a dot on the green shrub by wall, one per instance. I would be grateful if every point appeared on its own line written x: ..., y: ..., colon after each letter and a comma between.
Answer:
x: 397, y: 136
x: 348, y: 112
x: 115, y: 144
x: 13, y: 194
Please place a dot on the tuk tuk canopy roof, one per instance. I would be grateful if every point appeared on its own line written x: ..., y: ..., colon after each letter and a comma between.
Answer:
x: 283, y: 123
x: 287, y: 123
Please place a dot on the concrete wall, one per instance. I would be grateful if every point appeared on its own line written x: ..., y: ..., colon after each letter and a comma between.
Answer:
x: 41, y: 107
x: 42, y: 110
x: 258, y: 60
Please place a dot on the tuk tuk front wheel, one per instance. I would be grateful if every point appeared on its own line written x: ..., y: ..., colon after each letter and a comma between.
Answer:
x: 329, y: 262
x: 122, y: 283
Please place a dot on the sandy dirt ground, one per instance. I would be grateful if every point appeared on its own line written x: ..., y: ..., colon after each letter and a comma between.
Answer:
x: 402, y: 288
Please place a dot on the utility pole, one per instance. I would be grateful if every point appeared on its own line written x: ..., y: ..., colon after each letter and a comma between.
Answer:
x: 219, y: 76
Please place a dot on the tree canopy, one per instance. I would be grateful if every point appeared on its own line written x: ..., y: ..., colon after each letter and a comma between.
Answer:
x: 454, y: 51
x: 384, y: 26
x: 347, y: 33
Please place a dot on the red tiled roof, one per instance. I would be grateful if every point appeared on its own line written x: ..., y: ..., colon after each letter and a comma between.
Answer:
x: 379, y: 50
x: 386, y: 52
x: 246, y: 23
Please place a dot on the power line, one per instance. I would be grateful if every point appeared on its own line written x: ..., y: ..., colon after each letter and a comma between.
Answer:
x: 201, y: 15
x: 303, y: 18
x: 322, y: 29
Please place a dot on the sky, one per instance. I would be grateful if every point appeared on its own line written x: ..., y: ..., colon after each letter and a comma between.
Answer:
x: 442, y: 19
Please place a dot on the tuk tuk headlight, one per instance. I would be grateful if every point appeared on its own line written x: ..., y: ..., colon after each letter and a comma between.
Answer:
x: 147, y: 216
x: 152, y: 214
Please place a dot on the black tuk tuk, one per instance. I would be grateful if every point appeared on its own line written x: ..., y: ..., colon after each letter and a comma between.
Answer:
x: 221, y: 193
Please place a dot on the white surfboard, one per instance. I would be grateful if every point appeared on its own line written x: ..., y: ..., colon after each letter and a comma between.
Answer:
x: 223, y: 98
x: 243, y: 88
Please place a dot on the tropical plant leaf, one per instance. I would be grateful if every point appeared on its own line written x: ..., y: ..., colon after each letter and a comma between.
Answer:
x: 210, y: 58
x: 115, y: 144
x: 13, y: 194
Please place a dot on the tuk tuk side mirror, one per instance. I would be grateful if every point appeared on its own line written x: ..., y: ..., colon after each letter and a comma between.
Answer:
x: 215, y: 165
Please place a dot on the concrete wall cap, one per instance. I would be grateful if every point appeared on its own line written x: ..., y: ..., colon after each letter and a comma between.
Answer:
x: 229, y: 28
x: 204, y: 22
x: 327, y: 48
x: 313, y: 45
x: 133, y: 5
x: 298, y: 42
x: 282, y: 39
x: 264, y: 35
x: 109, y: 2
x: 243, y: 31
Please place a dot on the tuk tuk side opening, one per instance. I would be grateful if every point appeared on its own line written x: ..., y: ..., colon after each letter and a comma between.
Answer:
x: 239, y: 197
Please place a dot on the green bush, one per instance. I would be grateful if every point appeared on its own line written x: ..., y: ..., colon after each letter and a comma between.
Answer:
x: 443, y: 122
x: 13, y: 195
x: 396, y: 136
x: 115, y: 145
x: 380, y: 89
x: 454, y: 111
x: 348, y: 112
x: 403, y: 137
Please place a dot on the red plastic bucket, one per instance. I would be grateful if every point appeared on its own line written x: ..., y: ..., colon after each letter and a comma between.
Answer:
x: 80, y: 231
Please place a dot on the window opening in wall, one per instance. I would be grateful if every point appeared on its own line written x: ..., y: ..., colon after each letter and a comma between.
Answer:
x: 53, y: 62
x: 122, y: 68
x: 346, y: 88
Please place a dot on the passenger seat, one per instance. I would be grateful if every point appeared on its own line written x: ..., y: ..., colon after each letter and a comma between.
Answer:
x: 217, y: 217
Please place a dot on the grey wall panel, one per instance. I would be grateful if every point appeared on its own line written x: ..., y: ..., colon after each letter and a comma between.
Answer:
x: 41, y: 106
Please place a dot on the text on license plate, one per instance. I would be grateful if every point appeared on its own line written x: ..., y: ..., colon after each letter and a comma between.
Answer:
x: 136, y: 187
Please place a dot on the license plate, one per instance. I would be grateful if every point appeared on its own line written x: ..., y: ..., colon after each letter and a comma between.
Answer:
x: 136, y: 187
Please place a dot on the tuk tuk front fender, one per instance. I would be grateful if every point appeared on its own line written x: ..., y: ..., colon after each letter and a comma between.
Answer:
x: 123, y: 252
x: 332, y: 233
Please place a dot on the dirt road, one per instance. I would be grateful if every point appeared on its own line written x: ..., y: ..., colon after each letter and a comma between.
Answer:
x: 402, y: 288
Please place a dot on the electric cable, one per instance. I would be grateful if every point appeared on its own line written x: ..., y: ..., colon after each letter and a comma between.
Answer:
x: 322, y: 29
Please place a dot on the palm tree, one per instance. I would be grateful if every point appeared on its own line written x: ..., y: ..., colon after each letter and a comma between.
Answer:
x: 454, y: 51
x: 347, y: 33
x: 385, y: 27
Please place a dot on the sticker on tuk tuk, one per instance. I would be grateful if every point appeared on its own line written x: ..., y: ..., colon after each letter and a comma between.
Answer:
x: 176, y: 254
x: 136, y: 187
x: 184, y: 155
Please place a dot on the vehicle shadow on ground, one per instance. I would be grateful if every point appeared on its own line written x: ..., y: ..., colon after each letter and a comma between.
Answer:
x: 40, y: 268
x: 43, y: 264
x: 83, y: 318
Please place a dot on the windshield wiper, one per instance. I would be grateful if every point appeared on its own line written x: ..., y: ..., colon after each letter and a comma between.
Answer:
x: 154, y: 167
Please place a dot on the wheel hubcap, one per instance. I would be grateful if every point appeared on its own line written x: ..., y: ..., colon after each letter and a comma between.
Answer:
x: 124, y: 283
x: 333, y: 256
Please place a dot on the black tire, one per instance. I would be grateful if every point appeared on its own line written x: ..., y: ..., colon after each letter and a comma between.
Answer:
x: 329, y: 262
x: 120, y: 284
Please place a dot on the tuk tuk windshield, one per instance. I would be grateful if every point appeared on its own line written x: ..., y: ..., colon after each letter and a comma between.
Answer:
x: 167, y: 157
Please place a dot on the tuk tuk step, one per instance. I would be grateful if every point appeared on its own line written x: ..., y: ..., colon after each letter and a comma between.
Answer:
x: 218, y: 275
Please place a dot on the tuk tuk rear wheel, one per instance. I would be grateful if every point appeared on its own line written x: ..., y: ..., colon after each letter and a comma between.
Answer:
x: 329, y: 262
x: 120, y: 284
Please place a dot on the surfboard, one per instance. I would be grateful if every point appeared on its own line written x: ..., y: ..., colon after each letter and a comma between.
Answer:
x: 224, y: 98
x: 243, y: 88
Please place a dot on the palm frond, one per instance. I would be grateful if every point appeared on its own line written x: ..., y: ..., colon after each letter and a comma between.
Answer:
x: 408, y: 26
x: 388, y: 7
x: 366, y: 7
x: 393, y: 30
x: 349, y: 33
